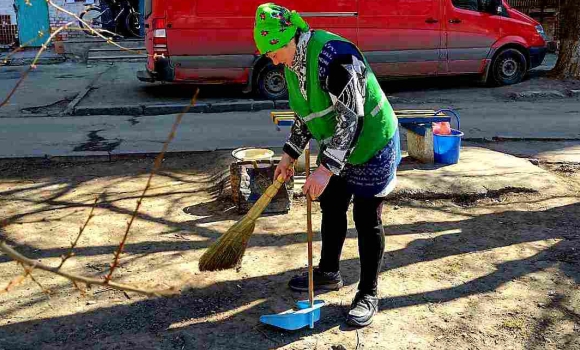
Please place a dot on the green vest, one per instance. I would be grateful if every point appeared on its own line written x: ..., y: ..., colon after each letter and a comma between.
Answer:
x: 379, y: 122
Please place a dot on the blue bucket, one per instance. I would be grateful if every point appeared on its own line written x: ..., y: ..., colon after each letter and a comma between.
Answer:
x: 446, y: 147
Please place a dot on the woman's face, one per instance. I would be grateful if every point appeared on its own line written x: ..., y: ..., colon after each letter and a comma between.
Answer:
x: 284, y: 55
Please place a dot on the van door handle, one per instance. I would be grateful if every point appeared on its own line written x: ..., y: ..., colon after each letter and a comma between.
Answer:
x: 455, y: 21
x: 431, y: 20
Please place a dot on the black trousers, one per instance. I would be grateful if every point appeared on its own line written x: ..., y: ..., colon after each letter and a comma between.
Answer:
x: 334, y: 203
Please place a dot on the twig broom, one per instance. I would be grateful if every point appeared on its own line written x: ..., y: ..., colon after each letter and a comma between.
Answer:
x: 229, y: 249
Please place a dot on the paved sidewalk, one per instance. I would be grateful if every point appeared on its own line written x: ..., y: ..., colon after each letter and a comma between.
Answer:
x: 47, y: 90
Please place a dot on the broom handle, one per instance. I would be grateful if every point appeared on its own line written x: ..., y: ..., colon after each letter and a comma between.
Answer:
x: 309, y: 231
x: 262, y: 202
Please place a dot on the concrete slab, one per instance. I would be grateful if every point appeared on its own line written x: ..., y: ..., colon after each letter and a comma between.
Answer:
x: 544, y: 151
x: 480, y: 172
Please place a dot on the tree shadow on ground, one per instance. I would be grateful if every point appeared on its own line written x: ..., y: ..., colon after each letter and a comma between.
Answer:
x: 546, y: 327
x: 192, y: 320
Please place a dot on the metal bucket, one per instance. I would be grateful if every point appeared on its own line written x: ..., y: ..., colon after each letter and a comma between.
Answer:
x: 251, y: 153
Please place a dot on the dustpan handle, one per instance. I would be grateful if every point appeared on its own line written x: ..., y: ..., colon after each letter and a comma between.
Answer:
x: 309, y: 233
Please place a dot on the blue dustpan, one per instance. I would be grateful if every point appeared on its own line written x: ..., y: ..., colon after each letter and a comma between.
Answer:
x: 295, y: 319
x: 308, y: 310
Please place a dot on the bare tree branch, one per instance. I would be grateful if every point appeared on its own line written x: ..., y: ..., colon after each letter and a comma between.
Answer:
x: 87, y: 280
x: 78, y: 287
x: 81, y: 230
x: 16, y: 281
x: 28, y: 264
x: 45, y: 45
x: 24, y: 75
x: 156, y: 167
x: 20, y: 48
x: 28, y: 271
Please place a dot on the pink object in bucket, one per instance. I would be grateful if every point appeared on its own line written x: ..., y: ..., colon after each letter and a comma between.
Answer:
x: 443, y: 128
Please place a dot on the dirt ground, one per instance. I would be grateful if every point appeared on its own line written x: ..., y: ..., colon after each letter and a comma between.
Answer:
x: 496, y: 273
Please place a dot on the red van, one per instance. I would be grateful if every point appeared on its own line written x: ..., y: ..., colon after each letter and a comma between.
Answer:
x: 210, y: 41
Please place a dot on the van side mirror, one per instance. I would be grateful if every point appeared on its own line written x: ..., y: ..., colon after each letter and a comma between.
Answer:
x: 497, y: 8
x: 494, y: 7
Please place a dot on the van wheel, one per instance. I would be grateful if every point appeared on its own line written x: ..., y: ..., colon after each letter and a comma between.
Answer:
x: 509, y: 67
x: 272, y: 83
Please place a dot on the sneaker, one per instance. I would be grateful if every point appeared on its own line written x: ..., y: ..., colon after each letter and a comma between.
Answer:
x: 322, y: 281
x: 363, y: 308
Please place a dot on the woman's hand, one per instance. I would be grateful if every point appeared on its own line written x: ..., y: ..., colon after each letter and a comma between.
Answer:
x: 285, y: 167
x: 317, y: 182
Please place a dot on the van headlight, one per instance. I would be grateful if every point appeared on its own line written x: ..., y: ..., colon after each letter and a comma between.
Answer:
x: 541, y: 31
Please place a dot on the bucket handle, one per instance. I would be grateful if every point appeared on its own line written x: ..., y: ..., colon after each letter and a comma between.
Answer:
x: 451, y: 111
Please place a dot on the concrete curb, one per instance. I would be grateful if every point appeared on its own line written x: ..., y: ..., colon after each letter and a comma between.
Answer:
x: 574, y: 93
x: 117, y: 110
x: 496, y: 139
x: 174, y: 108
x: 500, y: 138
x: 532, y: 95
x: 19, y: 62
x: 536, y: 94
x: 97, y: 157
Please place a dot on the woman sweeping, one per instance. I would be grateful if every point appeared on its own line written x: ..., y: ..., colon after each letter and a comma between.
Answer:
x: 339, y: 103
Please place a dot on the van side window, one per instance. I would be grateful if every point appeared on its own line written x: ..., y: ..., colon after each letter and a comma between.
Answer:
x: 472, y: 5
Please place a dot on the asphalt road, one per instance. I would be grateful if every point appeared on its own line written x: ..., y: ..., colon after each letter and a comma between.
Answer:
x: 24, y: 137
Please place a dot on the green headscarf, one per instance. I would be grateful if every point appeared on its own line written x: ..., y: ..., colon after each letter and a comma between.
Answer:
x: 275, y: 27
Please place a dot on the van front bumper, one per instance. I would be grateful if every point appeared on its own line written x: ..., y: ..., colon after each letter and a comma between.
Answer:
x: 537, y: 55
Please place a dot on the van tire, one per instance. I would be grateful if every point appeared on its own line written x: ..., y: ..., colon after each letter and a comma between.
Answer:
x: 271, y: 83
x: 509, y: 67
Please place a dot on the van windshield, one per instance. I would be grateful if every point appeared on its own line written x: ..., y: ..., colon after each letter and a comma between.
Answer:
x: 148, y: 8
